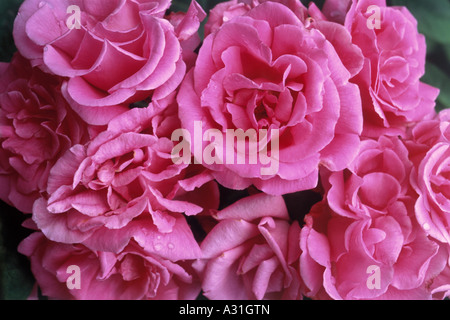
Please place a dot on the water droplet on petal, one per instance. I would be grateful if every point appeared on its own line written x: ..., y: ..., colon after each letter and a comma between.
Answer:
x: 426, y: 226
x: 170, y: 246
x: 157, y: 247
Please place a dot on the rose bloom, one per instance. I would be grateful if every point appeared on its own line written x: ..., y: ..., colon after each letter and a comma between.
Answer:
x: 250, y: 75
x: 363, y: 241
x: 131, y: 274
x: 122, y: 52
x: 36, y: 127
x: 252, y: 253
x: 227, y: 10
x: 124, y: 175
x: 430, y: 144
x: 393, y: 95
x: 336, y: 10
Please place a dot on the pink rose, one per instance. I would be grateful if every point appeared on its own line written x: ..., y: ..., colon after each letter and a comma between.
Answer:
x: 362, y: 241
x: 439, y: 284
x: 336, y: 10
x: 393, y: 95
x: 252, y: 78
x: 225, y: 11
x: 426, y: 134
x: 119, y: 53
x: 373, y: 182
x: 36, y: 127
x: 72, y: 271
x: 101, y: 192
x: 186, y: 27
x: 431, y: 142
x: 252, y: 253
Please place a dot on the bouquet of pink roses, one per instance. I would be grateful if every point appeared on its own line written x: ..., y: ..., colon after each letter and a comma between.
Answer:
x: 290, y: 152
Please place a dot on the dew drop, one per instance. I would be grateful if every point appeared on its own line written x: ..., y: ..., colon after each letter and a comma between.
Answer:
x: 170, y: 246
x: 157, y: 247
x: 426, y: 226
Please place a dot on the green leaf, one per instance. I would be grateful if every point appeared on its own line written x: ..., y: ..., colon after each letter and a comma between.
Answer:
x: 447, y: 51
x: 432, y: 45
x: 436, y: 77
x: 16, y: 280
x: 8, y: 12
x: 180, y: 6
x: 433, y: 17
